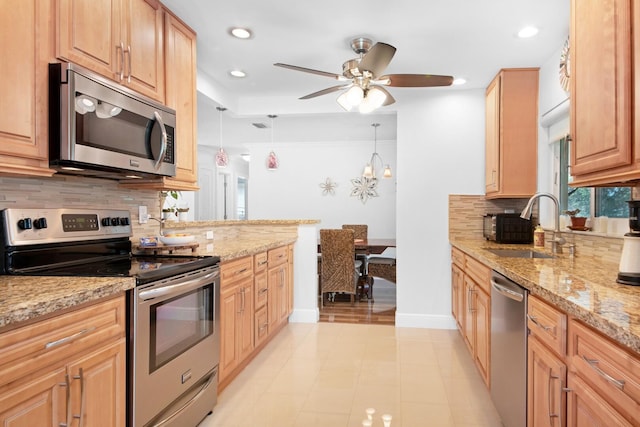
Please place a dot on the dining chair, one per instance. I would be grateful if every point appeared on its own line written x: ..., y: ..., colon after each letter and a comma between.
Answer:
x: 360, y: 231
x: 340, y: 270
x: 382, y: 266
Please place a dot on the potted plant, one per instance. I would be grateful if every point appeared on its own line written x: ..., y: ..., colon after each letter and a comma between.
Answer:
x: 577, y: 222
x: 169, y: 212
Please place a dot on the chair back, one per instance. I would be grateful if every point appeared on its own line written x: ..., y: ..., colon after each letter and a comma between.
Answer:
x: 360, y: 230
x: 338, y: 271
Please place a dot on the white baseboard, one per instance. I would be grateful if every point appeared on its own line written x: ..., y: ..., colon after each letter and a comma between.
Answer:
x: 305, y: 316
x: 428, y: 321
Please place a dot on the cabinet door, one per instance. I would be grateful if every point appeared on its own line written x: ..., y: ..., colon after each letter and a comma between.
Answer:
x: 245, y: 320
x: 229, y: 306
x: 482, y: 327
x: 26, y: 33
x: 39, y: 402
x: 101, y: 377
x: 546, y: 378
x: 601, y: 85
x: 492, y: 135
x: 89, y: 35
x: 585, y: 408
x: 144, y: 59
x: 273, y: 282
x: 467, y: 325
x: 283, y: 294
x: 261, y: 289
x: 180, y: 57
x: 457, y: 303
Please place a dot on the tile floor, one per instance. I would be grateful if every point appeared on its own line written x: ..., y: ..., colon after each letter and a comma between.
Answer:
x: 327, y: 374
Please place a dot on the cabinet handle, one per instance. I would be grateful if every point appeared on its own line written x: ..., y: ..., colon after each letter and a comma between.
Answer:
x: 594, y: 364
x: 65, y: 340
x: 550, y: 378
x: 121, y: 48
x: 470, y: 300
x: 83, y: 399
x: 263, y: 262
x: 262, y: 291
x: 67, y: 384
x: 241, y: 271
x: 535, y: 321
x: 128, y: 51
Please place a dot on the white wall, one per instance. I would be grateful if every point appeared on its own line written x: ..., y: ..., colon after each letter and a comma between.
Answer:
x: 293, y: 190
x: 440, y: 151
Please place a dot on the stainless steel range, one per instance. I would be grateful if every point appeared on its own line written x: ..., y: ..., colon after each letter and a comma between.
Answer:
x: 174, y: 333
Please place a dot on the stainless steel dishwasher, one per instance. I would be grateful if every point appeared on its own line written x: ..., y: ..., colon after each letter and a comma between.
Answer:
x: 509, y: 350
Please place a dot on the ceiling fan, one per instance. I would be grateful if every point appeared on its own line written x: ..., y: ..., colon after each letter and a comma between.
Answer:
x: 364, y: 82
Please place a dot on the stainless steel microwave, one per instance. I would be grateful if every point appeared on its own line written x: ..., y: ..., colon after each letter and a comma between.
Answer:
x: 101, y: 129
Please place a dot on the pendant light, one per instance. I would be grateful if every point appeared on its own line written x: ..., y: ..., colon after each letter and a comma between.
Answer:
x: 272, y: 159
x: 370, y: 168
x: 222, y: 160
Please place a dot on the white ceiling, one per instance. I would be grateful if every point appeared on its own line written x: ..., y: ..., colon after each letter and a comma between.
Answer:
x: 472, y: 39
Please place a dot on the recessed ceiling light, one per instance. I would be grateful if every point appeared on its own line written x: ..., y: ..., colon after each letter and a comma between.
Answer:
x: 459, y: 81
x: 238, y: 73
x: 527, y: 32
x: 241, y: 33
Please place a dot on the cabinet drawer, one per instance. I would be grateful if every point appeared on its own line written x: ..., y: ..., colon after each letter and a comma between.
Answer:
x: 479, y: 272
x: 262, y: 325
x: 548, y: 324
x: 277, y: 256
x: 457, y: 257
x: 260, y: 262
x: 32, y: 347
x: 236, y: 270
x: 612, y: 370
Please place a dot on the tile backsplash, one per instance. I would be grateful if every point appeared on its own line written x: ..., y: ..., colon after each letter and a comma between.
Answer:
x: 465, y: 221
x: 61, y: 191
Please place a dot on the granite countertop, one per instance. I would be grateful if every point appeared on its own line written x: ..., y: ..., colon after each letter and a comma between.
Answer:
x: 25, y: 298
x: 238, y: 248
x: 213, y: 223
x: 584, y: 287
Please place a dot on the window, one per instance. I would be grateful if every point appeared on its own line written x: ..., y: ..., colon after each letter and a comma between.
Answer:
x: 592, y: 202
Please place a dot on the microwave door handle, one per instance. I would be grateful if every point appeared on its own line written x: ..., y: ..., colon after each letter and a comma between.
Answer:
x: 163, y: 148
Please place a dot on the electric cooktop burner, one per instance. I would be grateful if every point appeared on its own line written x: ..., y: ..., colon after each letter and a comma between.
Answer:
x: 82, y: 242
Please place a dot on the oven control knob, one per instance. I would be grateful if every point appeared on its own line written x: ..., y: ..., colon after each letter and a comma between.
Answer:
x: 114, y: 221
x: 24, y: 224
x: 124, y: 221
x: 40, y: 223
x: 105, y: 222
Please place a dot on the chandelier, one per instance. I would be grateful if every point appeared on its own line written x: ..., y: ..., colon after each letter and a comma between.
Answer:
x: 370, y: 169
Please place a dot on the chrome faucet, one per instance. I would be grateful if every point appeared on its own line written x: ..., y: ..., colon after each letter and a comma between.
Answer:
x: 558, y: 240
x: 161, y: 221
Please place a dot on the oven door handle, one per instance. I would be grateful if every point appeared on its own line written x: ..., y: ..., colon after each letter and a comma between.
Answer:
x: 170, y: 289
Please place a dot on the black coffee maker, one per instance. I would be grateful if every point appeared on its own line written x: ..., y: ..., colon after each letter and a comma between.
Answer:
x: 629, y: 270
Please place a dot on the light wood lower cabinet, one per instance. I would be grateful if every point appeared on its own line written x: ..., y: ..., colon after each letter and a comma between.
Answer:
x: 576, y: 376
x: 66, y: 370
x: 471, y: 305
x: 236, y: 317
x: 255, y: 305
x: 547, y: 378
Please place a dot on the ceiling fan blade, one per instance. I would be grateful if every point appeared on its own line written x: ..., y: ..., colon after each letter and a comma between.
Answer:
x: 377, y: 58
x: 416, y: 80
x: 324, y: 91
x: 389, y: 100
x: 312, y: 71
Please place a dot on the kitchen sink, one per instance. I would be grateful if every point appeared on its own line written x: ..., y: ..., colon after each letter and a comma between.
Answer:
x: 519, y: 253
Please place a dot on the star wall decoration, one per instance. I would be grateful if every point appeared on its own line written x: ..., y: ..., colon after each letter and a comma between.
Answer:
x: 364, y: 188
x: 328, y: 187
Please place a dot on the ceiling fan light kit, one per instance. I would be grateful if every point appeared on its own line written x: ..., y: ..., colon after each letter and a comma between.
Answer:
x: 366, y: 89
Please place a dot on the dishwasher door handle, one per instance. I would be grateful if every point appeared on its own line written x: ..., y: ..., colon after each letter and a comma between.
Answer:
x: 511, y: 291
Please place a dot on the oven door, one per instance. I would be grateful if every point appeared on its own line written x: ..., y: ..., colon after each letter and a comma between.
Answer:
x: 176, y: 348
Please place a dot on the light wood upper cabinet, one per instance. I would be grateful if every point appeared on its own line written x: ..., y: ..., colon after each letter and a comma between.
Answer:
x: 26, y: 31
x: 180, y: 72
x: 512, y: 134
x: 118, y: 39
x: 602, y: 147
